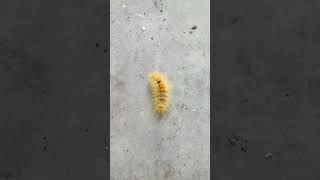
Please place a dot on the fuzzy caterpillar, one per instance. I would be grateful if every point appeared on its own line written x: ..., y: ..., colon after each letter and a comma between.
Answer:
x: 160, y: 91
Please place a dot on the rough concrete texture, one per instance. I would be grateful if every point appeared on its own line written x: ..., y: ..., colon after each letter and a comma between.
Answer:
x: 172, y: 37
x: 53, y: 105
x: 266, y: 90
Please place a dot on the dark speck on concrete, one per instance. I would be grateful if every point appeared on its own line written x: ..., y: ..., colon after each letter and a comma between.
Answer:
x: 236, y: 137
x: 194, y: 27
x: 235, y: 140
x: 7, y: 175
x: 29, y: 85
x: 44, y: 148
x: 246, y: 100
x: 43, y: 90
x: 235, y: 20
x: 97, y: 44
x: 232, y: 142
x: 161, y: 10
x: 244, y: 148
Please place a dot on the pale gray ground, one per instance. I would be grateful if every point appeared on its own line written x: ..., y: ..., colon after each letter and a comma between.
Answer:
x: 154, y: 35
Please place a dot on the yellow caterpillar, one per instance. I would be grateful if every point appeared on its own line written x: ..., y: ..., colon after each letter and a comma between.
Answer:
x: 160, y: 90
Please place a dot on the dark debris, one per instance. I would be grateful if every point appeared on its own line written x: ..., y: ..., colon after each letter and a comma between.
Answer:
x: 236, y: 140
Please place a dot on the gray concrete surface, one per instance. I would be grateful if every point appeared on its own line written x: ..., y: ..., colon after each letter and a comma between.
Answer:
x: 266, y: 89
x: 157, y: 35
x: 53, y: 96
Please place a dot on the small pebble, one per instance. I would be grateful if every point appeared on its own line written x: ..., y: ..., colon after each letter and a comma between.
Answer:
x: 268, y: 155
x: 184, y: 107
